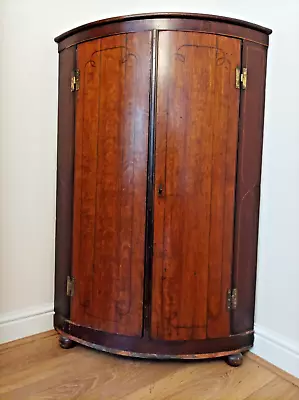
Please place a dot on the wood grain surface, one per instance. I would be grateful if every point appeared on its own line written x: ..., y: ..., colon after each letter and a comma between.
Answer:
x: 65, y: 181
x: 196, y: 139
x: 158, y: 196
x: 165, y: 21
x: 37, y: 368
x: 110, y: 182
x: 152, y: 348
x: 170, y: 15
x: 248, y: 185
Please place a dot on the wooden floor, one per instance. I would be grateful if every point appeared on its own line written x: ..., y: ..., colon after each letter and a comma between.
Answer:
x: 37, y: 368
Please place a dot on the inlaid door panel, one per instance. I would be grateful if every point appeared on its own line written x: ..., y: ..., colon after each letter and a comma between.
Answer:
x: 110, y: 182
x: 195, y: 168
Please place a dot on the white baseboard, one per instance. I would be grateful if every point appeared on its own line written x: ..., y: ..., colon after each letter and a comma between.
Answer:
x: 18, y: 324
x: 277, y: 350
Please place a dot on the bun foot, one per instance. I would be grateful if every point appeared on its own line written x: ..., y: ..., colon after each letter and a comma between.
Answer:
x: 235, y: 360
x: 65, y: 342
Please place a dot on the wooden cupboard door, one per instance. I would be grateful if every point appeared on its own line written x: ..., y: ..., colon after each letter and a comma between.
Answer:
x: 195, y: 168
x: 110, y: 182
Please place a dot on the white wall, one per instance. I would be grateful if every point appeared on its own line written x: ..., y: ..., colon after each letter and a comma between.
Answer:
x: 28, y: 104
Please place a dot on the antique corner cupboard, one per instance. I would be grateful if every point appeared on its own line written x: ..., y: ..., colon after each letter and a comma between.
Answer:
x: 160, y: 133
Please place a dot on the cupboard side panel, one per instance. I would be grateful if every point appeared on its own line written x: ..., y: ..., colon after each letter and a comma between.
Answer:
x: 248, y: 185
x: 65, y: 176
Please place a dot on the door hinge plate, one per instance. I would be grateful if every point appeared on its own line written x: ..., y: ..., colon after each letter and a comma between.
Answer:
x: 232, y: 299
x: 241, y: 78
x: 75, y: 80
x: 244, y: 78
x: 238, y: 77
x: 70, y: 286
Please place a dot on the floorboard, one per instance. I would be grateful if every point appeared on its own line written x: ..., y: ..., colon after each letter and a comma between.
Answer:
x: 37, y: 368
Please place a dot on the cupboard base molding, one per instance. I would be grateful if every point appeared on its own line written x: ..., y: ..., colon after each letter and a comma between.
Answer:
x: 141, y: 347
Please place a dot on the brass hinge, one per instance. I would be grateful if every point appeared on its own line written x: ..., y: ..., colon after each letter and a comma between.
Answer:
x: 70, y: 286
x: 232, y: 299
x: 238, y: 77
x: 241, y: 78
x: 244, y: 78
x: 75, y: 80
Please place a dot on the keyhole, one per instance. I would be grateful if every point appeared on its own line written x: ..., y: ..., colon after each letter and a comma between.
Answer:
x: 160, y: 190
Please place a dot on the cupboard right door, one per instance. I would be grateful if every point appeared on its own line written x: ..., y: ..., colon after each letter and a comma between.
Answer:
x: 195, y: 171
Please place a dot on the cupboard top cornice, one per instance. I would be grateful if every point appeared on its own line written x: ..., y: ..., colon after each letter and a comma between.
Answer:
x: 165, y: 21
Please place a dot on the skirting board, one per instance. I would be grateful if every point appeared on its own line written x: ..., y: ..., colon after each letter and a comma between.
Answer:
x: 277, y: 350
x: 19, y: 324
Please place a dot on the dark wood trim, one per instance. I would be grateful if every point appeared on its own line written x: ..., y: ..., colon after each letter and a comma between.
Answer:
x: 153, y: 348
x: 251, y: 125
x: 190, y: 22
x: 169, y: 15
x: 65, y: 173
x: 149, y: 224
x: 71, y: 340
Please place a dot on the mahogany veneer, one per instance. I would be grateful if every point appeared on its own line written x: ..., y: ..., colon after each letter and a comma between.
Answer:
x: 158, y: 182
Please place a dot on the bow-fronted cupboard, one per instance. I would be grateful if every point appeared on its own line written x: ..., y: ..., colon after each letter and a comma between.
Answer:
x: 160, y: 132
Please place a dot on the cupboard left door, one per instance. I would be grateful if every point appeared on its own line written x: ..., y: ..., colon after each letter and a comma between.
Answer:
x: 111, y: 144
